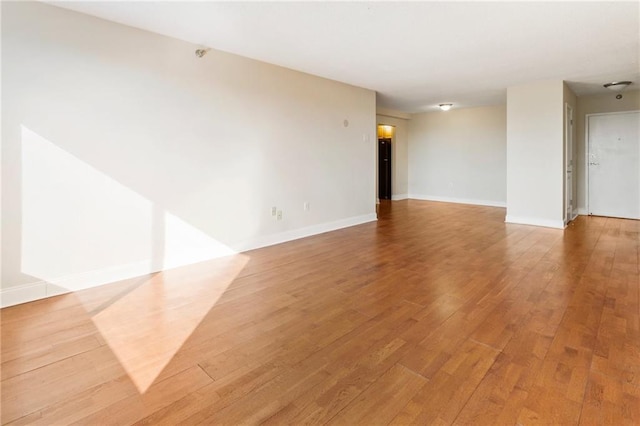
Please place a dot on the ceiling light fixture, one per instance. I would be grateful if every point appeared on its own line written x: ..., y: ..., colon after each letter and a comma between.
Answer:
x: 617, y: 86
x: 445, y: 107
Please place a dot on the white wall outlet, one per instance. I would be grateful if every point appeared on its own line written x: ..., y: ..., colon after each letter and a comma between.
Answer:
x: 279, y: 216
x: 274, y: 210
x: 306, y: 206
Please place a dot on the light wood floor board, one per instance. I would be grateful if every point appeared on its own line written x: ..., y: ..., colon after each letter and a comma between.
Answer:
x: 436, y: 314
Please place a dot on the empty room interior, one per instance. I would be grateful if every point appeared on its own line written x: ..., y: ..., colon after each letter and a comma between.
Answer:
x: 350, y: 213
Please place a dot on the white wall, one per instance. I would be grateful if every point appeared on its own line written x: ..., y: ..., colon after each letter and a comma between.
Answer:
x: 122, y: 152
x: 593, y: 105
x: 459, y: 155
x: 535, y: 154
x: 399, y: 154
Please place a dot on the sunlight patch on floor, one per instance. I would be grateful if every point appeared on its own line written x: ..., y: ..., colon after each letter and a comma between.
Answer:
x: 146, y: 327
x: 67, y: 202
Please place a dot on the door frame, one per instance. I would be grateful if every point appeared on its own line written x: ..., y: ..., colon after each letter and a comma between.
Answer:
x: 390, y: 142
x: 569, y: 166
x: 587, y: 117
x: 393, y: 157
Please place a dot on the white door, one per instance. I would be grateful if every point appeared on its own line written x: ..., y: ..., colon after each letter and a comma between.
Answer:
x: 614, y: 165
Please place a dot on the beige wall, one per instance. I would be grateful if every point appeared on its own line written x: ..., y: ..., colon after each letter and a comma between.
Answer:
x: 399, y: 153
x: 535, y: 154
x: 459, y: 155
x: 122, y: 152
x: 592, y: 105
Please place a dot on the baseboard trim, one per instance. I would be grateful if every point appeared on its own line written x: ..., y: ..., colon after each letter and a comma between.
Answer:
x: 471, y: 201
x: 22, y: 293
x: 283, y: 237
x: 18, y: 294
x: 583, y: 212
x: 546, y: 223
x: 399, y: 197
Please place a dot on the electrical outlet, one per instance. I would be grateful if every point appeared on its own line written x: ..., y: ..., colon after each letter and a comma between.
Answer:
x: 306, y: 206
x: 279, y: 216
x: 274, y: 211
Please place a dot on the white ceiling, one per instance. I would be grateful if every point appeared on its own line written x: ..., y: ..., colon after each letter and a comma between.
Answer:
x: 414, y: 54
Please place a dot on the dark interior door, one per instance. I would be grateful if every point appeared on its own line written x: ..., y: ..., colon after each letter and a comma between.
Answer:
x: 384, y: 168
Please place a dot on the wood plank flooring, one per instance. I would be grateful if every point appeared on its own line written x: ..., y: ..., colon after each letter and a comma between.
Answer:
x: 436, y: 314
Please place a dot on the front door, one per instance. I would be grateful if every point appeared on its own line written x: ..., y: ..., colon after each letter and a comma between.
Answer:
x: 614, y: 165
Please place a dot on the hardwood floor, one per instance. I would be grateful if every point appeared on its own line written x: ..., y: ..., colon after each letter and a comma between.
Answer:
x: 436, y: 314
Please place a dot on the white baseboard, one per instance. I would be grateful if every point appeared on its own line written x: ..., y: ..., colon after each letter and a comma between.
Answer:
x: 39, y: 290
x: 22, y: 293
x: 547, y: 223
x: 574, y: 215
x: 583, y: 212
x: 398, y: 197
x: 458, y: 200
x: 283, y: 237
x: 15, y: 295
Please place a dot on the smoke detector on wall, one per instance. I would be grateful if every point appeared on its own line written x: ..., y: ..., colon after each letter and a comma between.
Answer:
x: 201, y: 52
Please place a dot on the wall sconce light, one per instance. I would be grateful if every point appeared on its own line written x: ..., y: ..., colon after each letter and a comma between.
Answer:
x: 617, y: 86
x: 445, y: 107
x: 385, y: 131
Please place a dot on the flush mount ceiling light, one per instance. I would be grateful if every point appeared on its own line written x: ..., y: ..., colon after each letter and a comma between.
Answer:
x: 445, y: 107
x: 617, y: 86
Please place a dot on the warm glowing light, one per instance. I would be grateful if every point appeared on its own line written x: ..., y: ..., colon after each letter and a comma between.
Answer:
x: 385, y: 131
x: 445, y: 107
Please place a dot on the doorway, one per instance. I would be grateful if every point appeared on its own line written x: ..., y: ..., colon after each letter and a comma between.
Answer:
x: 568, y: 189
x: 384, y: 168
x: 613, y: 164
